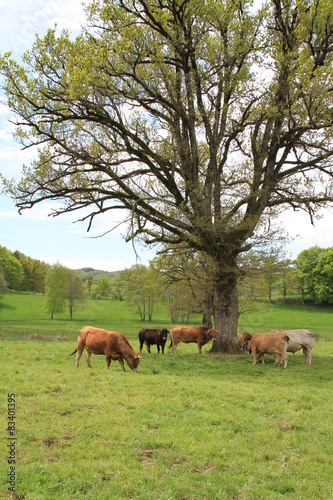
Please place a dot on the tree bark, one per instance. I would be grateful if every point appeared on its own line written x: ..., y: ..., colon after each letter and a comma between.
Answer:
x: 207, y: 319
x: 226, y: 311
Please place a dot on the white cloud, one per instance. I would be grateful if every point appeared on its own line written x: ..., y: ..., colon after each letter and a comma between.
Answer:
x: 22, y: 19
x: 298, y: 223
x: 43, y: 212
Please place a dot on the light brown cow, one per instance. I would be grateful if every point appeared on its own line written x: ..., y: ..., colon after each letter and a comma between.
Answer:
x: 269, y: 343
x: 189, y: 334
x: 243, y: 339
x: 113, y: 345
x: 299, y: 339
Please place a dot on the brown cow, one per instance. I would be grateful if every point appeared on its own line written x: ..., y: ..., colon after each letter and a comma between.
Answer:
x: 113, y: 345
x: 243, y: 339
x: 299, y: 339
x: 198, y: 334
x: 151, y: 336
x: 269, y: 343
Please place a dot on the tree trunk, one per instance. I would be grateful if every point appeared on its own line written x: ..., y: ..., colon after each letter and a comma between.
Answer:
x: 207, y: 319
x: 226, y: 309
x: 150, y: 308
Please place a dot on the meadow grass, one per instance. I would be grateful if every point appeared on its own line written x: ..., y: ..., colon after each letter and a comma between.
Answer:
x: 22, y: 313
x: 184, y: 427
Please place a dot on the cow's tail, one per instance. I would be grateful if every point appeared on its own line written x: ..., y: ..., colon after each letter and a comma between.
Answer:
x: 170, y: 341
x: 71, y: 354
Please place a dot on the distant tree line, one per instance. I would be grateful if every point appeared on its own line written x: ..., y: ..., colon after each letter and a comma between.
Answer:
x: 183, y: 280
x: 21, y: 273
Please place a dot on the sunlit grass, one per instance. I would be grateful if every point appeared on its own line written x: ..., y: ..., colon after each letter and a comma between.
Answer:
x: 184, y: 427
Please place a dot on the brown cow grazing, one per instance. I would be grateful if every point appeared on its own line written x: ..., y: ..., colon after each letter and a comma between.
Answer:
x: 113, y: 345
x: 198, y: 334
x: 269, y: 343
x: 243, y: 339
x: 151, y: 336
x: 299, y: 339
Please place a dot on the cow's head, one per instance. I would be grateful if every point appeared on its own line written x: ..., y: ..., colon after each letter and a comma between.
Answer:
x: 211, y: 334
x: 164, y: 334
x: 133, y: 362
x: 248, y: 347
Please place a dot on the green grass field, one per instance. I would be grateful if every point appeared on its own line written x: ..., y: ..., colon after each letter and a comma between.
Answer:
x: 183, y: 427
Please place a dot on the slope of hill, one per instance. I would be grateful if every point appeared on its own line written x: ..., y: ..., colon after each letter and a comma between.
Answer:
x: 97, y: 274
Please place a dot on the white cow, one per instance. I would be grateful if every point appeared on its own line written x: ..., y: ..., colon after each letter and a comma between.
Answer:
x: 299, y: 339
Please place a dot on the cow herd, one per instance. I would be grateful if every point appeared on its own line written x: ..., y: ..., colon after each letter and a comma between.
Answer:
x: 115, y: 346
x: 278, y: 343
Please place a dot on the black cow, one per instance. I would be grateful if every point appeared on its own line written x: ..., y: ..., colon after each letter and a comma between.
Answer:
x: 151, y: 336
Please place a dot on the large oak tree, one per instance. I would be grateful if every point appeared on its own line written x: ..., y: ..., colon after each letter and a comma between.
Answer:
x: 199, y: 118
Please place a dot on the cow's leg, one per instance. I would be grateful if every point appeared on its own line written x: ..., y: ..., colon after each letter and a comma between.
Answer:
x: 148, y: 347
x: 307, y: 356
x: 199, y: 347
x: 254, y: 356
x: 158, y: 348
x: 108, y: 361
x: 263, y: 358
x: 284, y: 358
x: 88, y: 354
x: 121, y: 362
x: 276, y: 357
x: 162, y: 346
x: 78, y: 356
x: 141, y: 345
x: 174, y: 346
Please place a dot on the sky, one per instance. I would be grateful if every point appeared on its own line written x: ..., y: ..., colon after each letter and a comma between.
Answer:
x: 61, y: 239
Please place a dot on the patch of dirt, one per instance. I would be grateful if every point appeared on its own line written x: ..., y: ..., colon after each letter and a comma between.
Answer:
x: 147, y: 457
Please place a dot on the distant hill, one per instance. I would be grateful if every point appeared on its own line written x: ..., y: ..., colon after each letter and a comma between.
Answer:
x: 97, y: 274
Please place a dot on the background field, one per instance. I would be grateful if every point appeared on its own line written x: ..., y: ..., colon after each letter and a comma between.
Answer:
x: 22, y: 314
x: 183, y: 427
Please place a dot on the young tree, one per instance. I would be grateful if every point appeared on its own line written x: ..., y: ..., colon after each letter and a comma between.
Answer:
x: 55, y: 289
x: 188, y: 283
x: 306, y: 264
x: 202, y: 119
x: 323, y: 277
x: 132, y: 286
x: 141, y: 285
x: 271, y: 270
x: 90, y: 280
x: 103, y: 288
x: 288, y: 275
x: 75, y: 290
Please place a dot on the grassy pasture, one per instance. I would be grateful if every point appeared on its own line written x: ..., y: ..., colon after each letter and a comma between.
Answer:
x: 22, y: 313
x: 183, y: 427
